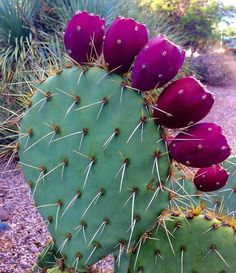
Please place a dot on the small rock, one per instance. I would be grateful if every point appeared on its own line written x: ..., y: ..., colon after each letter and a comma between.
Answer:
x: 2, y: 193
x: 4, y: 215
x: 24, y: 266
x: 4, y: 227
x: 9, y: 207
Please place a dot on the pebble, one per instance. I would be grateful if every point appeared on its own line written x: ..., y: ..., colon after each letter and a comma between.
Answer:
x: 4, y: 215
x: 2, y: 192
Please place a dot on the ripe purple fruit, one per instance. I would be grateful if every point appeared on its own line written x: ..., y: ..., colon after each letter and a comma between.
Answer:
x: 182, y: 103
x: 210, y: 179
x: 123, y: 41
x: 83, y: 37
x: 157, y: 63
x: 201, y: 145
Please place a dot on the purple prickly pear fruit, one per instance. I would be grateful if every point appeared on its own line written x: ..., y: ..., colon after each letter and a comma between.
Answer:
x: 210, y: 179
x: 123, y: 41
x: 201, y: 145
x: 83, y: 37
x: 182, y: 103
x: 157, y: 63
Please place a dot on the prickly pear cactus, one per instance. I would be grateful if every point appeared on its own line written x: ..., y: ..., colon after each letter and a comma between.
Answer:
x: 89, y: 155
x: 187, y: 243
x: 94, y: 148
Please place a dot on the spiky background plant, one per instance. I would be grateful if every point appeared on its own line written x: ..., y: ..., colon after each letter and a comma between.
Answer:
x: 62, y: 10
x: 17, y: 33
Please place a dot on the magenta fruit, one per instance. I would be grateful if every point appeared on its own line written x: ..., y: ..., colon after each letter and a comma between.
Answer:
x: 182, y: 103
x: 210, y: 179
x: 123, y: 41
x: 83, y: 37
x: 201, y: 145
x: 157, y: 63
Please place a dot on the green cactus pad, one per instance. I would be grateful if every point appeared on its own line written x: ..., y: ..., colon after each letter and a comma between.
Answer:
x: 196, y: 244
x: 182, y: 193
x: 225, y: 201
x: 48, y: 258
x: 121, y: 264
x: 56, y: 270
x: 94, y: 158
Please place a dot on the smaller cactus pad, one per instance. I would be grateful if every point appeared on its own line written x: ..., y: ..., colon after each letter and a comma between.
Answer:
x: 224, y: 199
x: 195, y: 244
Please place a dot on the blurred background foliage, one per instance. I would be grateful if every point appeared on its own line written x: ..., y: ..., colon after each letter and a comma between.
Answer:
x: 197, y: 19
x: 17, y: 33
x: 31, y: 41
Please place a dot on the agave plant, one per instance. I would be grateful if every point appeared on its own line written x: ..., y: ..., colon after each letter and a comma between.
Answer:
x: 16, y: 33
x: 61, y: 11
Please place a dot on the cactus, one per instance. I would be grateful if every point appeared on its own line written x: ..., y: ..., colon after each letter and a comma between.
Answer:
x: 57, y: 270
x: 190, y: 242
x: 221, y: 199
x: 122, y: 264
x: 96, y: 157
x: 91, y: 159
x: 48, y: 258
x: 228, y: 193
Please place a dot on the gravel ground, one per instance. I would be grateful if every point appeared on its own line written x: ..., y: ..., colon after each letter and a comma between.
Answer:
x: 20, y: 245
x: 224, y: 112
